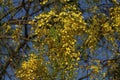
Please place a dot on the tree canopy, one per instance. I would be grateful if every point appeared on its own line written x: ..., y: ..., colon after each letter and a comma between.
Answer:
x: 59, y: 39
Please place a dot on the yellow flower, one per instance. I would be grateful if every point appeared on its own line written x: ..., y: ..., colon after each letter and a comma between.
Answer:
x: 95, y: 68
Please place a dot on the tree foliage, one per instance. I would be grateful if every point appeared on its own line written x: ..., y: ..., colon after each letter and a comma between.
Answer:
x: 55, y: 40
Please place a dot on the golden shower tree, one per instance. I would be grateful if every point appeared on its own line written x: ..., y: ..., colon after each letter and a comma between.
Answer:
x: 54, y: 40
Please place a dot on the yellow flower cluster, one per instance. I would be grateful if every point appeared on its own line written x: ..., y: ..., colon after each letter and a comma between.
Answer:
x: 95, y: 68
x: 43, y: 2
x: 27, y: 69
x: 61, y: 28
x: 99, y: 28
x: 115, y: 16
x: 63, y: 1
x: 113, y: 25
x: 107, y: 27
x: 30, y: 69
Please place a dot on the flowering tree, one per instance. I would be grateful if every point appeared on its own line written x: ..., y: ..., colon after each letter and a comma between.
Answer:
x: 54, y: 39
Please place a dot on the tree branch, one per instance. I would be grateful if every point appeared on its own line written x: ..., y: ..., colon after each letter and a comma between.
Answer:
x: 12, y: 10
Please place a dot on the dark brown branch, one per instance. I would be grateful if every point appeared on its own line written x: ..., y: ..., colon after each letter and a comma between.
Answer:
x: 12, y: 10
x: 10, y: 37
x: 18, y: 22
